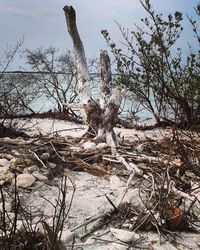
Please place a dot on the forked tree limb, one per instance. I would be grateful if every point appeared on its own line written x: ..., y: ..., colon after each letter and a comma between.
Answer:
x: 103, y: 116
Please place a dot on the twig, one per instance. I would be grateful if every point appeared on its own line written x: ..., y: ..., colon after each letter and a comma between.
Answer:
x: 36, y: 156
x: 57, y: 152
x: 184, y: 195
x: 110, y: 241
x: 126, y: 189
x: 110, y: 160
x: 111, y: 203
x: 100, y: 216
x: 68, y: 129
x: 98, y: 226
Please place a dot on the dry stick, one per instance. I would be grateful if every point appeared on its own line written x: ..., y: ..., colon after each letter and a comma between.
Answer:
x: 111, y: 203
x: 138, y: 171
x: 131, y: 166
x: 143, y: 221
x: 73, y: 105
x: 67, y: 129
x: 52, y: 126
x: 100, y: 216
x: 36, y: 156
x: 99, y: 226
x: 111, y: 241
x: 57, y: 152
x: 178, y: 192
x: 127, y: 187
x: 15, y: 141
x: 110, y: 160
x: 133, y: 170
x: 153, y: 186
x: 132, y: 174
x: 182, y: 194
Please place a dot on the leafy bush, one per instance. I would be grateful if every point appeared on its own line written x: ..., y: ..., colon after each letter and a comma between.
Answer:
x: 156, y: 70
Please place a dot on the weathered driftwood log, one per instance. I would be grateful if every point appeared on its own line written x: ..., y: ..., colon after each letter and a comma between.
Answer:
x: 100, y: 117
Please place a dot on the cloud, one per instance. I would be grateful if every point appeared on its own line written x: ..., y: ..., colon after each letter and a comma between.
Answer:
x: 42, y: 22
x: 18, y: 13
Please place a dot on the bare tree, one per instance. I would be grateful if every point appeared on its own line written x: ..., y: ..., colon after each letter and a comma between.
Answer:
x: 8, y: 56
x: 5, y: 60
x: 15, y: 92
x: 48, y: 63
x: 100, y: 117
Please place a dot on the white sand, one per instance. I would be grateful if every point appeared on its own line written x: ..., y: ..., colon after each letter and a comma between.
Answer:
x: 64, y: 128
x: 89, y: 199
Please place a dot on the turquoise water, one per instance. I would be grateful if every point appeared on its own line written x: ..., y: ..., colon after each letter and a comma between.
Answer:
x: 129, y: 109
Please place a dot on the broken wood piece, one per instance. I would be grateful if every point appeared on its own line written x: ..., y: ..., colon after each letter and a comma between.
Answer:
x: 73, y: 105
x: 138, y: 171
x: 183, y: 194
x: 16, y: 141
x: 131, y: 166
x: 110, y: 160
x: 126, y: 189
x: 37, y: 157
x: 149, y: 158
x: 100, y: 216
x: 124, y: 162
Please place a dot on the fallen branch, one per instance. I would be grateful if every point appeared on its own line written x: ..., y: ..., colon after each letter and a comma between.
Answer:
x: 183, y: 194
x: 16, y: 141
x: 37, y: 157
x: 73, y: 106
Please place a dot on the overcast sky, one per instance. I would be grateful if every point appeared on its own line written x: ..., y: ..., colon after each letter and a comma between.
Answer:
x: 42, y: 22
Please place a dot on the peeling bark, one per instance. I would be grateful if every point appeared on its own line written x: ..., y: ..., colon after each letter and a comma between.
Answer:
x: 83, y: 87
x: 100, y: 117
x: 106, y: 78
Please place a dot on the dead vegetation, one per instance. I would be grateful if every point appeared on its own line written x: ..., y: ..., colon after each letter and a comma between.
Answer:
x: 22, y: 229
x: 165, y: 173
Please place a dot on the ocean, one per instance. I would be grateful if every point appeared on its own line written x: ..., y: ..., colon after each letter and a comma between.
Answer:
x: 130, y: 109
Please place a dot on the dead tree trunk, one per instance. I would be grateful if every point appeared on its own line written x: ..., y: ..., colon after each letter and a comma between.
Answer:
x: 100, y: 117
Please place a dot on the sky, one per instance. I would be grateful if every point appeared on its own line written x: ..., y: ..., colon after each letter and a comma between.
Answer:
x: 42, y: 22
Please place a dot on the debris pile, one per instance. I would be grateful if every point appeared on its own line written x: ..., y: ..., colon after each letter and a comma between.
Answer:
x: 149, y: 186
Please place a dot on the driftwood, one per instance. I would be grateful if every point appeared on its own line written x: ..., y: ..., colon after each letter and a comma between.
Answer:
x: 17, y: 141
x: 160, y: 175
x: 160, y: 195
x: 100, y: 117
